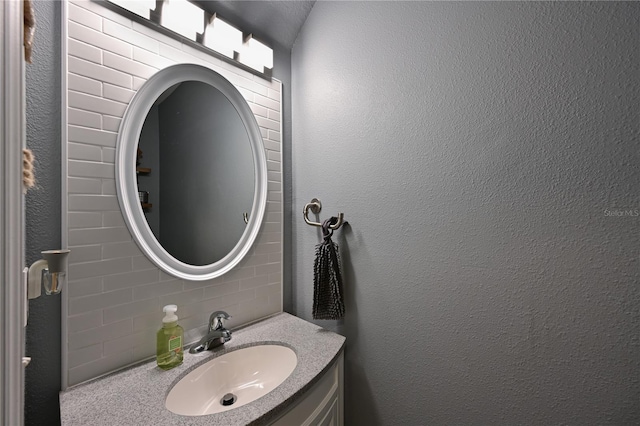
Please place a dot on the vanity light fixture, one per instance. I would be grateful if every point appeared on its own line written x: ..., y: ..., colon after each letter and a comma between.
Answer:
x: 50, y: 272
x: 222, y: 37
x: 256, y: 55
x: 182, y: 17
x: 139, y: 7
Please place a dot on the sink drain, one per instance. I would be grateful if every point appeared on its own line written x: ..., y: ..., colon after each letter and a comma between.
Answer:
x: 228, y: 399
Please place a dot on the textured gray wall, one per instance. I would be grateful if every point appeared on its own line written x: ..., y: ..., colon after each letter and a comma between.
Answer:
x: 42, y: 376
x: 482, y: 153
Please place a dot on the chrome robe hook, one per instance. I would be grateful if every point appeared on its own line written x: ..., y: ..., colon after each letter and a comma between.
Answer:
x: 315, y: 206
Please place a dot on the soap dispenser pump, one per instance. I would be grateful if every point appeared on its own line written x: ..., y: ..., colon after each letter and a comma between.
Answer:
x: 169, y: 340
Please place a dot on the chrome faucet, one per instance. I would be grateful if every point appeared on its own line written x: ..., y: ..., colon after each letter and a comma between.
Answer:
x: 217, y: 334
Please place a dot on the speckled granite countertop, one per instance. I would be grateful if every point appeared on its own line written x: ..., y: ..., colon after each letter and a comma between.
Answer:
x: 136, y: 396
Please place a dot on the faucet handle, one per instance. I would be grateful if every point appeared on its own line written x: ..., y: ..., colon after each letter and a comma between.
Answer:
x: 216, y: 320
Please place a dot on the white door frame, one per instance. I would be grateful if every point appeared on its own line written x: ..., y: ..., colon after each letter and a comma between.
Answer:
x: 12, y: 295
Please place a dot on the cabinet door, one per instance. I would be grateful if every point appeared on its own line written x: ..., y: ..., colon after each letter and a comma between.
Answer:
x: 319, y: 405
x: 331, y: 416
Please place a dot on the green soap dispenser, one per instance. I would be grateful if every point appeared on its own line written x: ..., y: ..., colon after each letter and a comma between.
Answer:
x: 170, y: 337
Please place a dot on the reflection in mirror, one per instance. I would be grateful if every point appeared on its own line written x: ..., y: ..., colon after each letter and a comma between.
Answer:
x: 201, y: 178
x: 191, y: 172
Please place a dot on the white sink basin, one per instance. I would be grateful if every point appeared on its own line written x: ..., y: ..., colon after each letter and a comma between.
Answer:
x: 247, y: 374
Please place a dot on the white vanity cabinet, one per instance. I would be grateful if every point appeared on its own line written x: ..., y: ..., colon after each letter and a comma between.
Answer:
x: 323, y: 404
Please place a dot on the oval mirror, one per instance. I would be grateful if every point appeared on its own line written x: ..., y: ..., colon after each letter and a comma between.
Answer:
x: 191, y: 173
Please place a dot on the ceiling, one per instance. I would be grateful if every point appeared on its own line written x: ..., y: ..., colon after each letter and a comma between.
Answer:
x: 276, y: 23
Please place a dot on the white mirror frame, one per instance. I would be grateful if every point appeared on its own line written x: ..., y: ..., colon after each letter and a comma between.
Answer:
x: 126, y: 182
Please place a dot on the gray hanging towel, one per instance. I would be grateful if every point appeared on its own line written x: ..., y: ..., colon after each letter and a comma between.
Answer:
x: 327, y: 278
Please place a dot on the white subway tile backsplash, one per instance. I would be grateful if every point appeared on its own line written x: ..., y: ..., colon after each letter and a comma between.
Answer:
x: 274, y: 94
x: 131, y: 279
x: 240, y: 273
x: 84, y: 219
x: 267, y: 248
x: 269, y: 237
x: 267, y: 290
x: 176, y: 54
x: 108, y: 187
x: 247, y: 83
x: 273, y: 217
x: 86, y: 287
x: 85, y: 355
x: 267, y: 102
x: 90, y: 253
x: 274, y: 115
x: 116, y: 93
x: 111, y: 124
x: 156, y: 289
x: 129, y: 36
x: 108, y: 155
x: 274, y: 176
x: 268, y: 124
x: 149, y: 58
x: 268, y: 268
x: 98, y: 39
x: 274, y: 186
x: 100, y: 334
x: 141, y: 263
x: 112, y: 219
x: 182, y: 298
x: 85, y: 321
x: 274, y: 196
x: 98, y: 235
x: 128, y: 66
x: 273, y: 207
x: 101, y: 366
x: 86, y: 85
x: 91, y: 136
x: 273, y: 166
x: 149, y: 32
x: 115, y: 293
x: 78, y: 151
x: 130, y: 310
x: 257, y: 307
x: 271, y: 227
x: 253, y: 282
x: 80, y: 305
x: 85, y: 51
x: 84, y: 186
x: 93, y: 103
x: 259, y: 110
x: 222, y: 289
x: 85, y: 17
x: 145, y: 338
x: 148, y: 321
x: 274, y: 136
x: 143, y: 351
x: 93, y: 202
x: 90, y: 169
x: 275, y: 278
x: 253, y: 260
x: 247, y: 94
x: 102, y: 12
x: 234, y: 298
x: 99, y: 72
x: 84, y: 118
x: 272, y: 145
x: 123, y: 249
